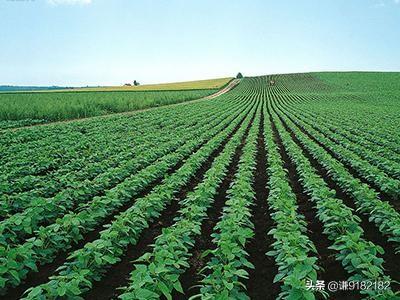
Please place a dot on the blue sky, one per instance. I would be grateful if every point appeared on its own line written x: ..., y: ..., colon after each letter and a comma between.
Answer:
x: 104, y: 42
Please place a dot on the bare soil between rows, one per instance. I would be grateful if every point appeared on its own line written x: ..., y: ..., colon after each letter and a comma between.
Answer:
x: 331, y: 269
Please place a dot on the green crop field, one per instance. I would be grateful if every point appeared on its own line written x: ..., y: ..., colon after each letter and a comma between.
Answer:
x: 280, y: 182
x: 21, y: 109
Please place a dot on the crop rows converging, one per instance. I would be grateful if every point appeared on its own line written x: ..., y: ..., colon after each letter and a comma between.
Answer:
x: 259, y: 193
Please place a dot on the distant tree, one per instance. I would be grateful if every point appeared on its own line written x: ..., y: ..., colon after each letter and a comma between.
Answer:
x: 135, y: 83
x: 239, y: 75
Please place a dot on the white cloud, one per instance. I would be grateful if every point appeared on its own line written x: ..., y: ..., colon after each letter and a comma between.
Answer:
x: 69, y: 2
x: 383, y: 3
x: 379, y: 3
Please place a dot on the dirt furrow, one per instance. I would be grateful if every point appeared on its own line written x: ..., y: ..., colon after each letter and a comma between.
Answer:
x: 118, y: 275
x: 260, y: 283
x: 371, y: 232
x: 382, y: 195
x: 191, y: 276
x: 331, y: 270
x: 46, y: 270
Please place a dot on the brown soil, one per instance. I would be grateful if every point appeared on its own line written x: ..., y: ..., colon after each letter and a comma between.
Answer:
x: 260, y: 283
x: 382, y: 195
x: 331, y: 270
x: 46, y: 270
x: 371, y: 232
x: 191, y: 277
x: 118, y: 275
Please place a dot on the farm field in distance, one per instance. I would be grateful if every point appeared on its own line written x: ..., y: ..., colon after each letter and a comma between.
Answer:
x: 23, y: 108
x: 206, y: 84
x: 283, y: 181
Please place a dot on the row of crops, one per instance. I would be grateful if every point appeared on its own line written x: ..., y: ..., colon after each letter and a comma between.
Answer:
x: 253, y: 194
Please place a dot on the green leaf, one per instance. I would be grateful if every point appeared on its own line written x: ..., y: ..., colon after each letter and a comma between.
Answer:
x: 35, y: 292
x: 278, y: 277
x: 164, y: 289
x: 178, y: 287
x: 15, y: 274
x: 143, y: 293
x: 61, y: 290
